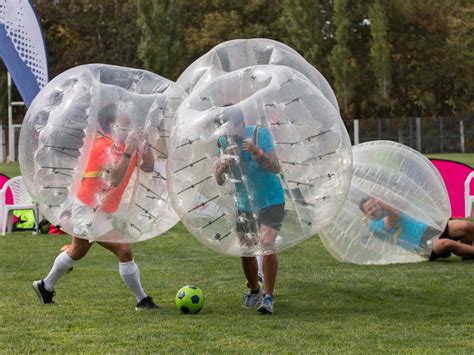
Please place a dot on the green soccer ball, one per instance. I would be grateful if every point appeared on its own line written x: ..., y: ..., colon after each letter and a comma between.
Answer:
x: 190, y: 299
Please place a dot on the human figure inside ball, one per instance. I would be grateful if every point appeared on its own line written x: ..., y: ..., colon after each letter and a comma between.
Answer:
x: 248, y: 160
x: 115, y: 154
x: 387, y: 222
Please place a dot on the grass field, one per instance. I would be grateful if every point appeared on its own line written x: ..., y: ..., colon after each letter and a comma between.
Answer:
x: 463, y: 158
x: 322, y: 306
x: 12, y: 170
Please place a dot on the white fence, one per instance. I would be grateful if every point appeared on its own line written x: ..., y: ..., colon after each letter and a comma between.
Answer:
x: 427, y: 134
x: 2, y: 143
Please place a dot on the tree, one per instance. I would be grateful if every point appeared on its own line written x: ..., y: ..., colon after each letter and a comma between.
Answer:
x: 310, y: 32
x: 422, y: 62
x: 206, y: 23
x: 460, y: 46
x: 380, y: 54
x: 428, y: 43
x: 3, y: 95
x: 342, y: 62
x: 89, y: 31
x: 160, y: 43
x: 303, y: 23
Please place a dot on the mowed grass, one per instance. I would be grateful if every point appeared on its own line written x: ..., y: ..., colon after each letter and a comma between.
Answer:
x: 463, y: 158
x: 10, y: 169
x: 13, y: 169
x: 322, y: 306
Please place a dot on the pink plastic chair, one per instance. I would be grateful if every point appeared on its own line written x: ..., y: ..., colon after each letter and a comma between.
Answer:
x: 21, y: 200
x: 455, y: 176
x: 469, y: 194
x: 8, y: 196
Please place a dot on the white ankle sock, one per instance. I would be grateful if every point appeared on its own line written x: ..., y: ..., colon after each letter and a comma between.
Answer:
x: 61, y: 266
x: 131, y: 276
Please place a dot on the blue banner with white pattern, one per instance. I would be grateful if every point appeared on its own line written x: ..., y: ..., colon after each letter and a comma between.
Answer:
x: 22, y: 47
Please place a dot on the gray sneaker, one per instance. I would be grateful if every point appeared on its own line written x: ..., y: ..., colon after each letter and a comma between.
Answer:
x: 267, y: 305
x: 252, y: 299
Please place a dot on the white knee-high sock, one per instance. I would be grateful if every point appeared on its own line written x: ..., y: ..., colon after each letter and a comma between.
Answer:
x: 61, y: 266
x: 131, y: 276
x: 260, y: 266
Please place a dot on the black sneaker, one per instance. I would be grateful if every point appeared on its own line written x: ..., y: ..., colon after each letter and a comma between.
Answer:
x: 44, y: 295
x: 146, y: 303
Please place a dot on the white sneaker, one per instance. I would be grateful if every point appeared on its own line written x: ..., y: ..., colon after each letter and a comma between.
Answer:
x: 267, y: 306
x: 252, y: 299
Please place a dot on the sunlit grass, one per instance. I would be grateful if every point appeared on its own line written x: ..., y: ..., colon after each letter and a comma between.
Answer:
x: 321, y: 305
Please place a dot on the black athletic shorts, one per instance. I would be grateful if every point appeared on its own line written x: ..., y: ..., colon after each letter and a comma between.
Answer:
x: 271, y: 216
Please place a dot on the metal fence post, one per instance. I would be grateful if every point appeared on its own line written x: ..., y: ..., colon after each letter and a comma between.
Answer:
x: 356, y: 131
x: 11, y: 144
x: 418, y: 134
x: 11, y: 126
x: 2, y: 140
x: 441, y: 135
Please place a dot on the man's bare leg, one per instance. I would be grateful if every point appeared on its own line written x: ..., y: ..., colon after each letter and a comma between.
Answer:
x: 270, y: 270
x: 128, y: 269
x: 270, y: 261
x: 79, y: 248
x: 250, y: 268
x: 62, y: 264
x: 445, y: 246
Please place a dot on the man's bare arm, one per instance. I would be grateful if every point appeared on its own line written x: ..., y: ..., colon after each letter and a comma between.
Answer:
x: 392, y: 217
x: 148, y: 160
x: 222, y: 167
x: 268, y: 161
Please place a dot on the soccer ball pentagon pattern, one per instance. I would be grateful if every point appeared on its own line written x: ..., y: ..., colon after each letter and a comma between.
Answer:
x: 190, y: 299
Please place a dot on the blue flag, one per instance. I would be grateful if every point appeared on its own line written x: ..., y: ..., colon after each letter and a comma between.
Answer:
x: 22, y: 47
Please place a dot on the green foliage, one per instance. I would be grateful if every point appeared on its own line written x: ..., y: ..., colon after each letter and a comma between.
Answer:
x: 160, y: 43
x: 89, y: 31
x: 460, y: 46
x: 310, y: 31
x: 304, y: 24
x: 422, y: 76
x: 415, y: 57
x: 3, y: 95
x: 343, y: 64
x: 380, y: 52
x: 207, y: 23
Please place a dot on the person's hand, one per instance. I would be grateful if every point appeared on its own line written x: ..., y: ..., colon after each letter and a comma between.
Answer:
x: 223, y: 164
x: 133, y: 141
x: 380, y: 204
x: 249, y: 147
x: 233, y: 150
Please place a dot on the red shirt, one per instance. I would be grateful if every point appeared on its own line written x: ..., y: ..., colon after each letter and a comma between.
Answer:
x: 94, y: 190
